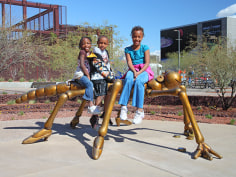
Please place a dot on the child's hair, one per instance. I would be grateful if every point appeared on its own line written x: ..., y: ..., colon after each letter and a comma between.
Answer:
x: 81, y: 41
x: 102, y: 36
x: 137, y: 28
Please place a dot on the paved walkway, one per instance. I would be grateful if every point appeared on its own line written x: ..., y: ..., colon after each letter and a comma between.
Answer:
x: 145, y: 150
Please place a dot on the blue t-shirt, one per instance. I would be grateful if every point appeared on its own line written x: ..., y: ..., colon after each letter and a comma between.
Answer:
x: 137, y: 56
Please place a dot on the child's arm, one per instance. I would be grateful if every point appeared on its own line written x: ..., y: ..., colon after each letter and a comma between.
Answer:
x: 82, y: 58
x: 130, y: 64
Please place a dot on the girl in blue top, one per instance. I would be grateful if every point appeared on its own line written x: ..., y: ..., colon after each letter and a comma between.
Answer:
x: 138, y: 58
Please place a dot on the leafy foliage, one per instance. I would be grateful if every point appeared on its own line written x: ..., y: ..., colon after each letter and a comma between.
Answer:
x: 16, y: 50
x: 218, y: 59
x: 63, y: 53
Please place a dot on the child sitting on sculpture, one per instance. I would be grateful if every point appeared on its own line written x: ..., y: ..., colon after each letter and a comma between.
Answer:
x: 138, y: 58
x: 101, y: 74
x: 82, y: 74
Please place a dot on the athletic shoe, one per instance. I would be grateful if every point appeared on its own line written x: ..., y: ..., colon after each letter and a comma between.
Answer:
x: 123, y: 113
x: 94, y: 122
x: 94, y: 110
x: 139, y: 115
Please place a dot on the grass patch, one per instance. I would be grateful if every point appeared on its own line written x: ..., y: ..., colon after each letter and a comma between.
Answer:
x: 21, y: 113
x: 232, y: 122
x: 180, y: 113
x: 32, y: 101
x: 199, y: 108
x: 153, y: 112
x: 22, y: 79
x: 208, y: 116
x: 47, y: 101
x: 10, y: 102
x: 79, y: 101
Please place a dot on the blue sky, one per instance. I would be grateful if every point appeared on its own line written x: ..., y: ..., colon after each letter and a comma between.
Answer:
x: 152, y: 15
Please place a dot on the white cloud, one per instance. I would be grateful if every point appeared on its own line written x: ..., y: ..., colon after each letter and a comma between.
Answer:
x: 228, y: 11
x: 156, y: 52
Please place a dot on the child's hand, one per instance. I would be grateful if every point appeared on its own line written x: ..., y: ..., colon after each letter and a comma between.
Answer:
x: 136, y: 74
x: 105, y: 60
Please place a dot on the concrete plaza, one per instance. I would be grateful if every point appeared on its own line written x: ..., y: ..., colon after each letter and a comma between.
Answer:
x: 144, y: 150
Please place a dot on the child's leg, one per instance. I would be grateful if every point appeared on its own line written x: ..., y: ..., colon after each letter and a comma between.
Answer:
x: 139, y: 90
x: 127, y: 87
x: 88, y: 95
x: 98, y: 100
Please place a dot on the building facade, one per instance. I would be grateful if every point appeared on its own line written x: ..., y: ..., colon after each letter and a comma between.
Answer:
x: 187, y: 35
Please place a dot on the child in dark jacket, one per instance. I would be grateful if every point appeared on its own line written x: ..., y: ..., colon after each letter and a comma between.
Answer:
x: 101, y: 74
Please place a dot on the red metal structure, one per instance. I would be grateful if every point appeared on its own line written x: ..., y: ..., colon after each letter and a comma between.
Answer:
x: 49, y: 19
x: 46, y: 19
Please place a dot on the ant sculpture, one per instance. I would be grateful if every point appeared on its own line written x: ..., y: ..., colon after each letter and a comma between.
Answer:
x: 166, y: 84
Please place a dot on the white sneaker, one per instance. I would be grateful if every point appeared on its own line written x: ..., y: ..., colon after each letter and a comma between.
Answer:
x: 123, y: 113
x: 138, y: 117
x: 94, y: 110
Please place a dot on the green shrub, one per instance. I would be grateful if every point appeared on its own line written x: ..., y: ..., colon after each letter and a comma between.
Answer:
x: 39, y: 80
x: 32, y: 101
x: 208, y: 116
x: 199, y: 108
x: 10, y: 102
x: 79, y: 101
x: 4, y: 93
x: 180, y: 113
x: 22, y: 79
x: 47, y: 101
x: 31, y: 80
x: 212, y: 107
x: 153, y: 112
x: 232, y: 121
x: 2, y: 79
x: 21, y: 113
x: 10, y: 80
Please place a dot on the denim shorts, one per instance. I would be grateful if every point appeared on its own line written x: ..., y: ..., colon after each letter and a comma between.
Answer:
x: 100, y: 87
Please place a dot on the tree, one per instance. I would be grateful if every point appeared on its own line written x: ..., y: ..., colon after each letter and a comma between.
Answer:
x: 63, y: 53
x: 219, y: 59
x: 221, y: 62
x: 16, y: 50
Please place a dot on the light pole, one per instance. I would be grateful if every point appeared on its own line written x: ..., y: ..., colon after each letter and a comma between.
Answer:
x: 178, y: 49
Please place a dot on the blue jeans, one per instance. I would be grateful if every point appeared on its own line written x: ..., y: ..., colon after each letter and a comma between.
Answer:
x: 138, y: 92
x: 84, y: 81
